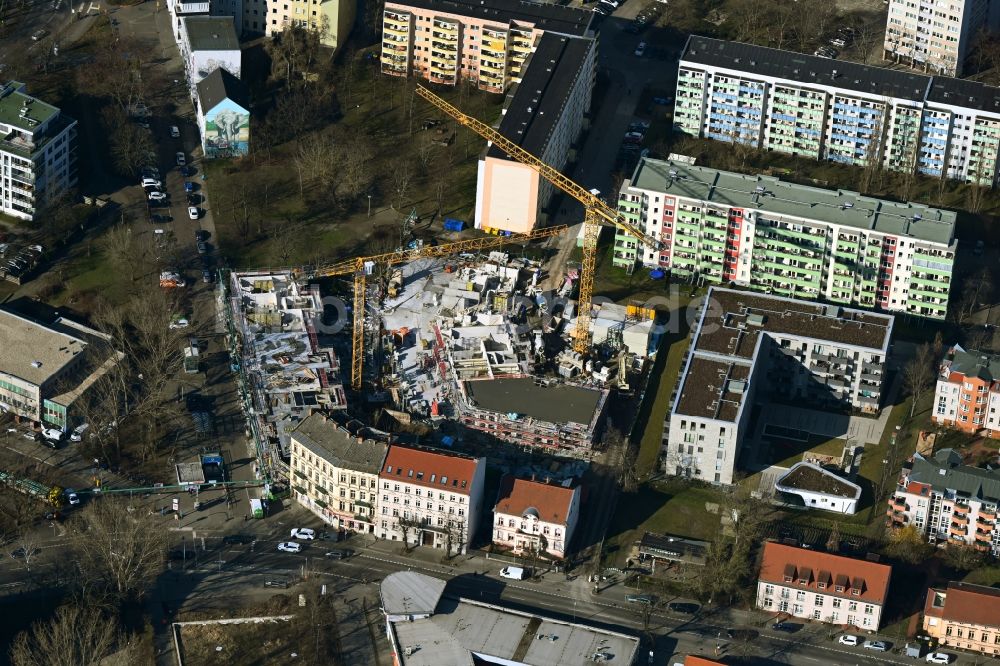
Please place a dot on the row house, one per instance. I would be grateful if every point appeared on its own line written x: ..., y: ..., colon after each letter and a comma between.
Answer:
x: 429, y: 497
x: 948, y: 502
x: 824, y: 587
x: 823, y: 355
x: 839, y: 111
x: 964, y: 616
x: 535, y: 517
x: 334, y: 474
x: 967, y: 392
x: 788, y: 239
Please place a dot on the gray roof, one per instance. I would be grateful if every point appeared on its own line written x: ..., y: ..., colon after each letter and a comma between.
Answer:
x: 726, y: 188
x: 34, y: 352
x: 410, y: 593
x: 545, y: 16
x: 211, y: 33
x: 221, y: 85
x: 13, y: 99
x: 556, y: 404
x: 338, y: 447
x: 540, y: 99
x: 945, y: 471
x: 976, y: 364
x: 964, y: 93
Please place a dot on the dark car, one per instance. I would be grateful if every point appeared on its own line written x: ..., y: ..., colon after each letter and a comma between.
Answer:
x: 200, y: 235
x: 742, y: 634
x: 339, y: 554
x: 202, y: 247
x: 160, y: 218
x: 787, y: 627
x: 23, y: 552
x: 685, y: 608
x: 207, y: 276
x: 238, y: 539
x: 194, y: 199
x: 187, y: 170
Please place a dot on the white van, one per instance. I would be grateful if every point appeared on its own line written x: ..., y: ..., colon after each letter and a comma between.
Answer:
x: 514, y: 573
x: 53, y: 434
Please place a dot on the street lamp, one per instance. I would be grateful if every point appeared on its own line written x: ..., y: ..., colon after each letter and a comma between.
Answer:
x: 369, y: 205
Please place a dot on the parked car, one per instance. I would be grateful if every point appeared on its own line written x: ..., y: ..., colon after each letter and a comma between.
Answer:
x: 23, y: 552
x: 685, y: 608
x: 290, y: 547
x: 202, y: 247
x: 938, y: 658
x: 77, y: 434
x: 339, y: 554
x: 175, y: 132
x: 149, y: 181
x: 53, y: 434
x: 181, y: 161
x: 303, y: 533
x: 638, y: 126
x: 647, y: 599
x: 875, y: 646
x: 38, y: 35
x: 640, y: 49
x: 978, y: 249
x: 207, y: 276
x: 188, y: 186
x: 200, y: 235
x: 71, y: 496
x: 160, y: 218
x: 193, y: 212
x: 787, y: 627
x: 157, y: 196
x: 179, y: 323
x: 187, y: 171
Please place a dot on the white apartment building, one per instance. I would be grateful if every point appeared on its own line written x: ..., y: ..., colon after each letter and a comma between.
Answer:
x: 535, y: 517
x: 788, y: 239
x: 335, y: 474
x: 208, y: 43
x: 822, y: 586
x: 948, y: 502
x: 745, y: 343
x: 37, y: 152
x: 430, y: 497
x: 936, y: 36
x: 837, y: 110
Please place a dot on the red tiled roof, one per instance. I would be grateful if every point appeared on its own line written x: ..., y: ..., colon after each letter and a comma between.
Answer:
x: 552, y: 502
x: 692, y: 660
x: 971, y: 604
x: 929, y: 607
x: 431, y: 469
x: 871, y: 578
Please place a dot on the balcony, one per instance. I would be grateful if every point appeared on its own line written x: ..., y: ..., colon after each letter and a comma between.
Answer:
x: 399, y: 30
x: 957, y: 531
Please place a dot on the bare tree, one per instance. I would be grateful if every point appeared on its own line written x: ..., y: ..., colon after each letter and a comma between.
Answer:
x: 122, y: 249
x: 402, y: 179
x: 124, y: 549
x: 131, y: 146
x: 918, y: 374
x: 77, y: 635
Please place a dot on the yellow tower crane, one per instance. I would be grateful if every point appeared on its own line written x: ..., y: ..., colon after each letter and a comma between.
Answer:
x: 357, y: 267
x: 596, y: 211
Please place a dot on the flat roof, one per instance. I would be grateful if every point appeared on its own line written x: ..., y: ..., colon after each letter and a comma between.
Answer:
x: 559, y: 403
x: 544, y: 16
x: 734, y: 321
x: 410, y: 593
x: 211, y: 33
x: 841, y: 207
x: 32, y: 351
x: 541, y: 97
x: 469, y: 632
x: 806, y: 69
x: 712, y: 388
x: 964, y: 93
x: 13, y: 99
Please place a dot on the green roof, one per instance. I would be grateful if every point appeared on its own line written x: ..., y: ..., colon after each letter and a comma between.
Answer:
x: 945, y: 471
x: 12, y: 100
x: 770, y: 195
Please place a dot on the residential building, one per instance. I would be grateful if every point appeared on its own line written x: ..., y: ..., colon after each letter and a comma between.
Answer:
x: 822, y: 586
x: 964, y: 616
x: 222, y: 107
x: 948, y: 502
x: 46, y: 367
x: 535, y: 517
x: 529, y: 413
x: 936, y: 38
x: 332, y: 19
x: 335, y: 473
x: 827, y: 356
x: 789, y: 239
x: 815, y: 487
x: 37, y: 152
x: 545, y: 116
x: 181, y: 9
x: 838, y: 110
x: 967, y: 392
x: 424, y: 628
x: 430, y: 497
x: 486, y: 42
x: 208, y: 43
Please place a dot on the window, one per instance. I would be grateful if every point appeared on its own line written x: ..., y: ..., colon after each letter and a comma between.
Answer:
x: 820, y: 600
x: 769, y: 589
x: 869, y: 609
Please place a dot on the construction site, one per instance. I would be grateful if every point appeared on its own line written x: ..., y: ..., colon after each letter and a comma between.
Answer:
x: 459, y: 343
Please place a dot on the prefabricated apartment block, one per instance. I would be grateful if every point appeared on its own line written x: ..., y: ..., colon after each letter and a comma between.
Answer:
x: 838, y: 111
x: 548, y: 51
x: 824, y: 355
x: 936, y: 37
x: 37, y: 152
x: 789, y: 239
x: 967, y: 393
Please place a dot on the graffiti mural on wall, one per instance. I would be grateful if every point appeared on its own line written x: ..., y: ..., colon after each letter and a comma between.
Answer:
x: 227, y: 130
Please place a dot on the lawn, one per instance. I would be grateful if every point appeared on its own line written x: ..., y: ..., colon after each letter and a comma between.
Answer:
x: 986, y: 575
x: 669, y: 507
x: 785, y: 453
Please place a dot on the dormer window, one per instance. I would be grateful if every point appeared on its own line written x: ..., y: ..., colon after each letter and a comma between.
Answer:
x: 821, y: 585
x: 856, y: 592
x: 840, y: 588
